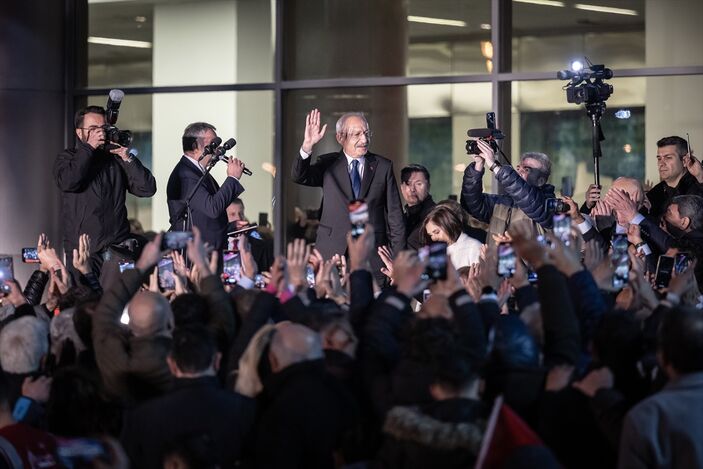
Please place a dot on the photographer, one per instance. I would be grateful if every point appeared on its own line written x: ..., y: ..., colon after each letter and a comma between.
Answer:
x: 93, y: 177
x: 525, y: 192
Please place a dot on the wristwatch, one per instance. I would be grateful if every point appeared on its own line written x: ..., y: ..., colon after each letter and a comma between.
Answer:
x: 494, y: 166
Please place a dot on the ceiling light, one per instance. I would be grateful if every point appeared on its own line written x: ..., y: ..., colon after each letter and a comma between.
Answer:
x: 438, y: 21
x: 108, y: 41
x: 546, y: 3
x: 140, y: 19
x: 600, y: 9
x: 485, y: 26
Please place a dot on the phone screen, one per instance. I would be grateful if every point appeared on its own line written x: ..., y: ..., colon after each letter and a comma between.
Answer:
x: 231, y: 267
x: 562, y: 227
x: 166, y: 279
x: 30, y: 256
x: 174, y: 240
x: 665, y: 267
x: 126, y: 265
x: 437, y: 261
x: 506, y: 260
x: 683, y: 260
x: 6, y: 269
x: 310, y: 275
x: 358, y: 216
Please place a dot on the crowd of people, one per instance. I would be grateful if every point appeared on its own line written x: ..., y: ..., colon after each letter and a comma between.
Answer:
x: 345, y: 352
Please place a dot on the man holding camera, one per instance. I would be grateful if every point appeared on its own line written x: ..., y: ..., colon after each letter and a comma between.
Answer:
x: 93, y: 178
x: 525, y: 192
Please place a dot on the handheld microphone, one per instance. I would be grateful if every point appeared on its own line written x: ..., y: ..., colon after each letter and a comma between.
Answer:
x: 211, y: 148
x: 220, y: 154
x: 113, y: 106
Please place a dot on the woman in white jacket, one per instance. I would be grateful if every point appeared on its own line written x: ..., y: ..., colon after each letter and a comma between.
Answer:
x: 442, y: 224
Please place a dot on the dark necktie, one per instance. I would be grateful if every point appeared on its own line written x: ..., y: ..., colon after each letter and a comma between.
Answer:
x: 356, y: 179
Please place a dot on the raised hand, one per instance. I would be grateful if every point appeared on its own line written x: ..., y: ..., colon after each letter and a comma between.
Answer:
x: 313, y: 132
x: 296, y: 262
x: 81, y: 256
x: 625, y: 208
x: 408, y: 269
x: 386, y: 255
x: 48, y: 258
x: 592, y: 195
x: 151, y: 254
x: 693, y: 165
x: 574, y: 213
x: 360, y: 249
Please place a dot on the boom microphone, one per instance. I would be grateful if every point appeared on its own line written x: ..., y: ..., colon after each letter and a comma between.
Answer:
x: 480, y: 133
x: 113, y: 106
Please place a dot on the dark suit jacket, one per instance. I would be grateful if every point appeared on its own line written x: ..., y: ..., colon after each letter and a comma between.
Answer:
x: 208, y: 204
x: 378, y: 188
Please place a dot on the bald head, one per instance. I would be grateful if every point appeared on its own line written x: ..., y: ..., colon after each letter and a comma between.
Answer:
x: 632, y: 187
x: 293, y: 344
x: 149, y: 314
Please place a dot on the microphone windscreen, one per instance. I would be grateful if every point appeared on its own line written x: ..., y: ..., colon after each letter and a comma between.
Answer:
x: 230, y: 143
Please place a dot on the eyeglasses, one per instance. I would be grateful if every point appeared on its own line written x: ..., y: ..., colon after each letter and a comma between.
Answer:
x: 91, y: 128
x: 356, y: 135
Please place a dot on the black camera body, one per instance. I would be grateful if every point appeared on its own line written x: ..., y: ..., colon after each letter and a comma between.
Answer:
x: 587, y: 85
x: 489, y: 135
x: 117, y: 136
x: 557, y: 206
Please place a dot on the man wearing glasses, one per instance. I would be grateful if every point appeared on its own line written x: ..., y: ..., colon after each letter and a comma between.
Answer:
x: 525, y: 192
x: 349, y: 174
x: 93, y: 178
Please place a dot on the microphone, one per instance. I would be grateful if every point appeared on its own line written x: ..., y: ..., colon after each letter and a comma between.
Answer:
x: 113, y: 106
x: 220, y: 154
x: 480, y: 133
x: 211, y: 148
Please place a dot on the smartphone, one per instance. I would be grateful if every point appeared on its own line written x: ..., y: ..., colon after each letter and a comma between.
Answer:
x: 80, y: 452
x: 567, y: 186
x: 175, y: 240
x: 358, y: 216
x: 436, y: 261
x: 532, y: 276
x: 259, y: 281
x: 562, y: 227
x: 166, y: 278
x: 231, y: 267
x: 126, y: 265
x: 506, y: 260
x: 620, y: 260
x: 30, y: 256
x: 683, y: 260
x: 665, y: 267
x: 263, y: 219
x: 310, y: 276
x: 491, y: 120
x: 6, y: 273
x: 426, y: 293
x: 243, y: 230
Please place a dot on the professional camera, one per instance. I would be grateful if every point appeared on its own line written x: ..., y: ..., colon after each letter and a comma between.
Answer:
x: 490, y: 134
x: 587, y: 85
x: 557, y: 206
x: 112, y: 133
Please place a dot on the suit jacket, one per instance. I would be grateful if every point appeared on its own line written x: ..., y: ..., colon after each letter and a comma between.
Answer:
x: 208, y: 204
x: 378, y: 188
x: 665, y: 429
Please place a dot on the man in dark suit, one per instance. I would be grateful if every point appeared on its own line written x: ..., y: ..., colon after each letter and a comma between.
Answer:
x: 210, y: 201
x: 352, y: 173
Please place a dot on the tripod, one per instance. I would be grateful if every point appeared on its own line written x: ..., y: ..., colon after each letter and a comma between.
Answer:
x: 595, y: 112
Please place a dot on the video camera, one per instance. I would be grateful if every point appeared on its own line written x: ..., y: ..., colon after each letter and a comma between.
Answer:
x: 490, y: 135
x: 113, y: 135
x: 587, y: 85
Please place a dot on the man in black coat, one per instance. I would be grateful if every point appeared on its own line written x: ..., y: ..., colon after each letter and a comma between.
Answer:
x: 93, y: 177
x: 305, y: 412
x: 415, y: 186
x: 352, y: 173
x: 676, y: 170
x: 196, y: 407
x: 208, y: 205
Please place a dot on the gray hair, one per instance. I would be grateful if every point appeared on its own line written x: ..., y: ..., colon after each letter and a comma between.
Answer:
x: 690, y: 206
x: 543, y: 159
x: 341, y: 122
x: 23, y: 344
x: 197, y: 129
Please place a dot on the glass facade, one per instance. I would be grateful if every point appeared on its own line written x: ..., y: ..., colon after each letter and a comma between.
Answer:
x: 424, y: 71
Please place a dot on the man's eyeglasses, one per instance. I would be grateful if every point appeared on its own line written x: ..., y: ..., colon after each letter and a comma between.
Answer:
x: 92, y: 128
x: 356, y: 135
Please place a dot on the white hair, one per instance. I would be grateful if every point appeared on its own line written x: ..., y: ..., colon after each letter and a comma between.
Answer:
x: 23, y: 344
x: 343, y: 120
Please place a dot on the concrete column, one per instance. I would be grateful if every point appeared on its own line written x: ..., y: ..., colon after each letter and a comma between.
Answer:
x: 32, y: 70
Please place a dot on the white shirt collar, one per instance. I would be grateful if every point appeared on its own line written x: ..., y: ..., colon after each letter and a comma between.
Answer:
x: 195, y: 162
x: 360, y: 159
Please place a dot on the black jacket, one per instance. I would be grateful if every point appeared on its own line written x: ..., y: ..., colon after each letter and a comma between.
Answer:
x: 195, y: 407
x: 414, y: 216
x: 208, y: 204
x: 305, y: 416
x: 93, y: 185
x: 661, y: 194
